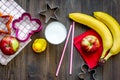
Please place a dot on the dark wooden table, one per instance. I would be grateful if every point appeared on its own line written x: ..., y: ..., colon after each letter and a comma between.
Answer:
x: 30, y: 66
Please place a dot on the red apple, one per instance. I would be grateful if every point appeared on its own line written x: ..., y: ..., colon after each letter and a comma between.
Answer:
x: 90, y: 43
x: 9, y: 45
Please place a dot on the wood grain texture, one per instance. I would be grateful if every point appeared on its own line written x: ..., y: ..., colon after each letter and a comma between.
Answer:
x: 30, y: 66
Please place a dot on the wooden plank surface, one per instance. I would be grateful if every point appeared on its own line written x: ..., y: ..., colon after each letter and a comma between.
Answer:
x: 30, y: 66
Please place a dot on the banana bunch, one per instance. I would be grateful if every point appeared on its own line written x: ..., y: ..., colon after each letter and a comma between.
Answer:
x: 106, y: 26
x: 114, y: 28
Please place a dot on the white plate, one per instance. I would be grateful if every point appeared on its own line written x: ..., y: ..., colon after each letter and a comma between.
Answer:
x: 55, y: 33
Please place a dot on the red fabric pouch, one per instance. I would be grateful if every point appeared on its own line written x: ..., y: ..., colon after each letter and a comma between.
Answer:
x: 93, y: 58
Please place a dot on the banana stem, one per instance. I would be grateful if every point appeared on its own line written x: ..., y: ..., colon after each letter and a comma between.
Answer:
x: 103, y: 53
x: 108, y: 56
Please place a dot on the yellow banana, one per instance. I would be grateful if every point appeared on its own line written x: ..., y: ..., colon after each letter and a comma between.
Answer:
x: 96, y: 25
x: 114, y: 27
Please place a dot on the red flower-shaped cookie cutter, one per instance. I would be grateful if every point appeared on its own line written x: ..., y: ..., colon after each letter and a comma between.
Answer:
x: 26, y: 26
x: 5, y: 21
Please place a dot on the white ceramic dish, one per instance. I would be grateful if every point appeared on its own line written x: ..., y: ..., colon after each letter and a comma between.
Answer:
x: 55, y: 33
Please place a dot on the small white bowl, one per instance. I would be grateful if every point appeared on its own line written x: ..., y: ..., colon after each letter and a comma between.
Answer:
x: 55, y: 33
